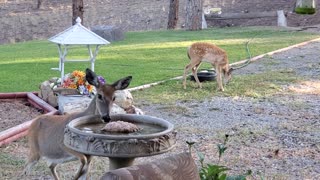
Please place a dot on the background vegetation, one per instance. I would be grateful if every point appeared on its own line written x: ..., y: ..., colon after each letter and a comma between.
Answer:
x: 147, y: 56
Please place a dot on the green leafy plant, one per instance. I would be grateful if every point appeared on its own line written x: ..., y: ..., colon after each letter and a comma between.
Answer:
x: 213, y: 172
x: 216, y: 171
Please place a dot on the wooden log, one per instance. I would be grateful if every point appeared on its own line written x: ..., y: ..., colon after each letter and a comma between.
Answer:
x: 249, y: 15
x: 13, y: 95
x: 180, y: 166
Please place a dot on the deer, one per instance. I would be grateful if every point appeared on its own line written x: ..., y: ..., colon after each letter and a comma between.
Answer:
x: 45, y: 135
x: 206, y: 52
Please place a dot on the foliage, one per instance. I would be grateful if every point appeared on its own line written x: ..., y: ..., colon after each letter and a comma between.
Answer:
x: 216, y: 171
x: 147, y: 56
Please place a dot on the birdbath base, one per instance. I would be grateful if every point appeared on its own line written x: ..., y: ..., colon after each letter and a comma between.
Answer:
x: 116, y: 163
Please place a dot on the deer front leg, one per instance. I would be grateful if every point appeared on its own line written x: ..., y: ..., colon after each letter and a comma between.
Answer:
x: 219, y: 78
x: 85, y: 171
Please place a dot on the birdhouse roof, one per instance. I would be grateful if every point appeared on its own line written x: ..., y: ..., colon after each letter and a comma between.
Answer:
x: 78, y: 35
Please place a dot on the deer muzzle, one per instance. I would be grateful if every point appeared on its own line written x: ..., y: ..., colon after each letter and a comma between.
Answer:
x: 106, y: 118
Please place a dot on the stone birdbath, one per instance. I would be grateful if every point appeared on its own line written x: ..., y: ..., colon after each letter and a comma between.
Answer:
x: 154, y: 136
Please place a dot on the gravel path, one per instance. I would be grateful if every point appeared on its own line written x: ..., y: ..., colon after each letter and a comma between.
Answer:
x: 278, y: 136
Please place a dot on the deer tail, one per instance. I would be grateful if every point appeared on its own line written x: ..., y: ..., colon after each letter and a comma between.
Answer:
x: 189, y: 52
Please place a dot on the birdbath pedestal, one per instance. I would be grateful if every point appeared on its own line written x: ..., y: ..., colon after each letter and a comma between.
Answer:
x: 155, y: 136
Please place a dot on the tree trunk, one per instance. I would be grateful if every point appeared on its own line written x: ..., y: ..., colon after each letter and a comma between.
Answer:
x: 173, y: 14
x: 39, y: 2
x: 194, y: 15
x: 77, y: 10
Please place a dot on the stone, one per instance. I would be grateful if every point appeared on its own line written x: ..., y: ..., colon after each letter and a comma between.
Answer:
x: 123, y: 98
x: 120, y: 127
x: 110, y: 33
x: 46, y: 93
x: 134, y: 110
x: 73, y: 103
x: 123, y: 103
x: 117, y: 110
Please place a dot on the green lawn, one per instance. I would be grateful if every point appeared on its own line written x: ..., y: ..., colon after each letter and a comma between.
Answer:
x: 147, y: 56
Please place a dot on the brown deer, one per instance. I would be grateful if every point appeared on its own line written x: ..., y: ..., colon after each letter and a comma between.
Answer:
x: 206, y: 52
x: 46, y: 132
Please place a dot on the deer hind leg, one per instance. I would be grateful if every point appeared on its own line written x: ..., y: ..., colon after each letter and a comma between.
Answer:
x: 33, y: 156
x: 219, y: 78
x: 53, y: 170
x: 191, y: 65
x: 194, y: 72
x: 84, y: 163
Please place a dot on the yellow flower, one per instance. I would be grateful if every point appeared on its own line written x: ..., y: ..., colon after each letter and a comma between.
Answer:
x: 73, y: 86
x: 80, y: 82
x: 79, y: 74
x: 89, y: 87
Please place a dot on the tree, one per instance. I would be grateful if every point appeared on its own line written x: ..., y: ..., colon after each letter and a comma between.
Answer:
x: 173, y: 14
x: 39, y: 2
x: 77, y: 10
x: 194, y: 15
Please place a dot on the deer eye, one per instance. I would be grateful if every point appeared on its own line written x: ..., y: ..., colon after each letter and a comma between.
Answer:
x: 100, y: 96
x: 113, y: 98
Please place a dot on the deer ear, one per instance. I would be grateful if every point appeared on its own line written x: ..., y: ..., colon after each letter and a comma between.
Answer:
x: 122, y: 83
x: 92, y: 78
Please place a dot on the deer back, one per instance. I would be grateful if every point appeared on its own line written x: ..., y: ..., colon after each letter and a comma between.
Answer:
x: 207, y: 52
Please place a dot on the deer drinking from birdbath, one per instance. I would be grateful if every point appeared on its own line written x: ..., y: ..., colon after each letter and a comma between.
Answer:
x: 206, y: 52
x: 46, y: 133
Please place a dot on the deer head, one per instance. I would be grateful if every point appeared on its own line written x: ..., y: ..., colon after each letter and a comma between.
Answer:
x: 105, y: 93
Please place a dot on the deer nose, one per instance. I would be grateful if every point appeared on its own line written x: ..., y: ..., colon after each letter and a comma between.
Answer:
x: 106, y: 118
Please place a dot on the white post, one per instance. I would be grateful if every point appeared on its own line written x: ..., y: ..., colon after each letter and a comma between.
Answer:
x: 60, y: 55
x: 62, y: 59
x: 204, y: 22
x: 282, y: 20
x: 91, y: 57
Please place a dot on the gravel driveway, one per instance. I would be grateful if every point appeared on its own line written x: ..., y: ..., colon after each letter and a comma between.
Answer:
x: 277, y: 137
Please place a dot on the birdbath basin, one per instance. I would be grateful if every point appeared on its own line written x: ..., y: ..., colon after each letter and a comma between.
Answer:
x: 155, y: 136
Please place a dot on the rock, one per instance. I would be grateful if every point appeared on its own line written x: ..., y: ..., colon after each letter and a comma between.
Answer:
x: 46, y: 93
x: 70, y: 104
x: 120, y: 127
x: 134, y: 110
x: 123, y: 103
x: 110, y: 33
x: 117, y: 110
x: 123, y: 98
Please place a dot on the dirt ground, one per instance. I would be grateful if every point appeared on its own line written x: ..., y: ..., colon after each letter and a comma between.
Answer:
x: 15, y: 112
x: 276, y: 137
